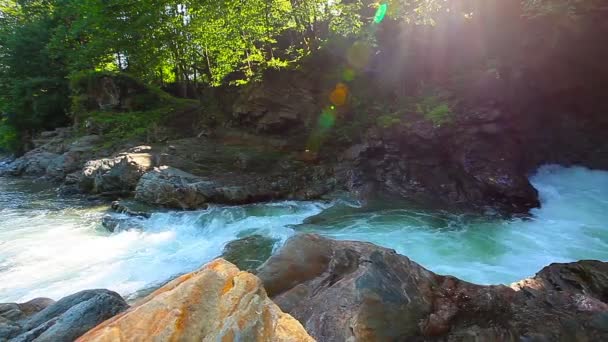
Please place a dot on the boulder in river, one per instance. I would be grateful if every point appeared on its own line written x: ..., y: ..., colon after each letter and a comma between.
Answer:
x: 171, y: 187
x: 216, y: 303
x: 41, y: 320
x: 355, y: 291
x: 133, y: 208
x: 121, y: 222
x: 119, y: 174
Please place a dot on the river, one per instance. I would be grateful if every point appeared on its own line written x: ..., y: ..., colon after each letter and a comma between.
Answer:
x: 52, y: 248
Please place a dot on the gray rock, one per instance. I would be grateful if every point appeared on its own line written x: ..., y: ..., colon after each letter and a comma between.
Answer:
x: 355, y: 291
x: 114, y: 223
x: 8, y: 329
x: 171, y: 187
x: 118, y: 174
x: 33, y: 163
x: 53, y: 157
x: 133, y: 208
x: 16, y: 312
x: 68, y: 318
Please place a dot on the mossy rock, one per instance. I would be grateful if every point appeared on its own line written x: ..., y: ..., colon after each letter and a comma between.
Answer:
x: 113, y: 91
x: 250, y: 252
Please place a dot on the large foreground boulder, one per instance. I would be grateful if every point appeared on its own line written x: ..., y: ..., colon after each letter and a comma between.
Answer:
x: 354, y: 291
x: 41, y: 320
x: 216, y: 303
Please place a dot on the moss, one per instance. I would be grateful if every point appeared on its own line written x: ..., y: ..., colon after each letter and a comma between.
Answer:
x: 434, y: 109
x: 386, y: 121
x: 135, y: 112
x: 116, y: 127
x: 90, y: 88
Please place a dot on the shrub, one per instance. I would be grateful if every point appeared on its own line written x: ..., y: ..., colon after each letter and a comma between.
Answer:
x: 9, y: 137
x: 434, y: 109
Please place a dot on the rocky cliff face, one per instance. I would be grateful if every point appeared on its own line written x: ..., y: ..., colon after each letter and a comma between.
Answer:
x: 343, y: 291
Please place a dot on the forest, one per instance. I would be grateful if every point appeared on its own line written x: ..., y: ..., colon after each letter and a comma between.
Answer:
x: 190, y: 45
x: 303, y: 170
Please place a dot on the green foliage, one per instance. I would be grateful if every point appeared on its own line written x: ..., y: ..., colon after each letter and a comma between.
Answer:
x: 33, y: 89
x: 388, y: 120
x: 9, y: 137
x: 434, y: 109
x: 142, y: 108
x: 569, y: 8
x: 50, y: 46
x: 118, y: 127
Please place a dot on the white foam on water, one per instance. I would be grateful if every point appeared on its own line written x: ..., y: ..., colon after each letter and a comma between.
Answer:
x: 54, y: 254
x: 571, y: 225
x: 53, y: 251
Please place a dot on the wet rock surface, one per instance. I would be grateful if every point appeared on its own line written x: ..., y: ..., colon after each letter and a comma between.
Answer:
x: 343, y: 290
x: 120, y: 222
x: 64, y: 320
x: 216, y: 303
x: 133, y: 208
x: 250, y: 252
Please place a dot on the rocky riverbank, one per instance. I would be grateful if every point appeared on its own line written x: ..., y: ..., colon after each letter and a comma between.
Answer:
x: 477, y: 155
x: 328, y: 290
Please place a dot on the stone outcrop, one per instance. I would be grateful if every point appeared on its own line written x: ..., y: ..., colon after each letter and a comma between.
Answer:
x: 54, y: 155
x: 113, y: 91
x: 282, y: 104
x: 230, y: 175
x: 43, y: 320
x: 12, y: 313
x: 216, y: 303
x: 171, y: 187
x: 472, y: 162
x: 354, y: 291
x: 117, y: 174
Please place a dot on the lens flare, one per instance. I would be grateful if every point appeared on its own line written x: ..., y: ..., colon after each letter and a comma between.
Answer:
x: 380, y: 13
x: 327, y: 118
x: 339, y: 95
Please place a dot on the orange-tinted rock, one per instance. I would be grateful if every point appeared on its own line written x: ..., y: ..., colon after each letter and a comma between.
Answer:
x: 216, y: 303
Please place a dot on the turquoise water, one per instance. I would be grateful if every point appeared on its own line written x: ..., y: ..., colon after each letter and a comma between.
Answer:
x: 51, y: 247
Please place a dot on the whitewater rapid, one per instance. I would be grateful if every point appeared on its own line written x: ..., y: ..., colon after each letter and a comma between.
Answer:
x: 52, y: 248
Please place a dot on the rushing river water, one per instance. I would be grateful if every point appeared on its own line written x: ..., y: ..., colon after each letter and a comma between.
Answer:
x: 52, y: 248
